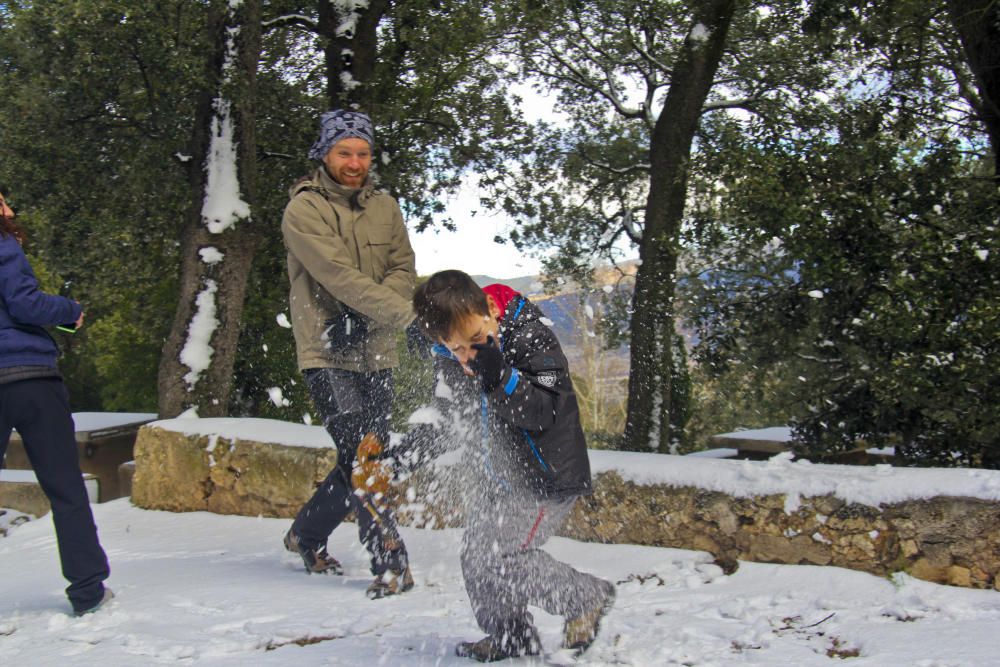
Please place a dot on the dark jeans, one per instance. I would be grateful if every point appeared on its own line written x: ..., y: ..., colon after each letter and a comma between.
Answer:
x: 39, y: 410
x: 351, y: 405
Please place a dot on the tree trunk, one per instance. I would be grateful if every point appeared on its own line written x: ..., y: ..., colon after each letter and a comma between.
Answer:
x: 217, y: 248
x: 648, y: 424
x: 351, y: 53
x: 978, y: 26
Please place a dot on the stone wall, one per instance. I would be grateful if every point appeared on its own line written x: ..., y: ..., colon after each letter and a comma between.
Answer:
x: 952, y: 540
x: 24, y: 497
x: 189, y: 473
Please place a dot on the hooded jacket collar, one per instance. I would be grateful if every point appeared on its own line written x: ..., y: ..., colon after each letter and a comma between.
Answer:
x: 321, y: 182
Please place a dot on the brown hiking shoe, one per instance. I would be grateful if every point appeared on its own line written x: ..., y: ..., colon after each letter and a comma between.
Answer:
x: 580, y: 632
x: 523, y: 641
x: 390, y: 582
x: 317, y: 561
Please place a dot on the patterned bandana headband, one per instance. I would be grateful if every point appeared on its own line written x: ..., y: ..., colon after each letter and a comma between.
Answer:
x: 340, y: 124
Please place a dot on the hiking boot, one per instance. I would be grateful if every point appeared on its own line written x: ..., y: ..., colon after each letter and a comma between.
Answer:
x: 316, y: 560
x: 107, y: 597
x: 580, y: 632
x: 491, y: 648
x: 390, y: 582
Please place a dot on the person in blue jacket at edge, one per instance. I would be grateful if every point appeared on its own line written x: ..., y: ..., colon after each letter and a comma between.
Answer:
x: 503, y: 393
x: 34, y: 400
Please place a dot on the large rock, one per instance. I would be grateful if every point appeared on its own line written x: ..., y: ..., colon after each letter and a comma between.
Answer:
x: 24, y: 496
x: 184, y: 472
x: 19, y: 490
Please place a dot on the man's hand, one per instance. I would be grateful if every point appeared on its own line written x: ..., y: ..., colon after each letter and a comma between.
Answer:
x: 488, y: 364
x: 418, y: 446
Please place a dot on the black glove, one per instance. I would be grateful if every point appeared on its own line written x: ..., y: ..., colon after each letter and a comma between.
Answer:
x: 349, y: 329
x: 420, y: 445
x: 488, y: 364
x: 417, y: 344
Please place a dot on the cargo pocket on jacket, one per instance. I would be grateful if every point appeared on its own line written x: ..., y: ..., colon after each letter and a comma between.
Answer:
x: 379, y: 249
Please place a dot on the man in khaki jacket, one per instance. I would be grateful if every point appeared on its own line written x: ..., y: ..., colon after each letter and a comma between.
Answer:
x: 352, y: 276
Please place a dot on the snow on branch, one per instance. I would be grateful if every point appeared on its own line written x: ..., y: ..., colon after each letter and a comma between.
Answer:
x: 811, y: 357
x: 291, y: 20
x: 699, y: 33
x: 631, y: 227
x: 349, y: 11
x: 738, y: 103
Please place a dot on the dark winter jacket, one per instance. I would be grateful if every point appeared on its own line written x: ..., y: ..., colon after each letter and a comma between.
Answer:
x: 25, y: 310
x: 526, y: 433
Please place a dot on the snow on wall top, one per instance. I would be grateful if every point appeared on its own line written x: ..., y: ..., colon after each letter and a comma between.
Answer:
x: 257, y: 430
x: 772, y: 434
x: 867, y: 485
x: 98, y: 421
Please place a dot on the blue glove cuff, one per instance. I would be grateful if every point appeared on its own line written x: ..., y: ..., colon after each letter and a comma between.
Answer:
x: 512, y: 382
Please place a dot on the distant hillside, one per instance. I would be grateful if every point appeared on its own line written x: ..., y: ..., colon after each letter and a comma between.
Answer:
x: 527, y: 285
x: 560, y: 308
x: 532, y: 285
x: 563, y: 309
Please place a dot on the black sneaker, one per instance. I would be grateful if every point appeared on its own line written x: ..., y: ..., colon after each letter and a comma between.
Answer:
x: 522, y: 642
x: 317, y: 561
x: 580, y: 632
x: 106, y: 598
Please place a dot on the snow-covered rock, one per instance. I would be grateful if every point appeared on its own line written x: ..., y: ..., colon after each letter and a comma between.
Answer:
x: 229, y: 466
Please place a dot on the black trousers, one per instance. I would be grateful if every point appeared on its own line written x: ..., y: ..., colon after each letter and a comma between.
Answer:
x: 39, y: 410
x: 351, y: 405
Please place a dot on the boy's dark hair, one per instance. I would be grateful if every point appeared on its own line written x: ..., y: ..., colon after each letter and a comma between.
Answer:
x: 7, y: 225
x: 446, y: 297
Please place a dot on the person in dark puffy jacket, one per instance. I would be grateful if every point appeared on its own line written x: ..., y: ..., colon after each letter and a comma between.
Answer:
x: 503, y: 392
x: 33, y: 399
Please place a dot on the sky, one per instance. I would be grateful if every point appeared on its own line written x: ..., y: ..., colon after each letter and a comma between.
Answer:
x: 471, y: 247
x: 198, y: 588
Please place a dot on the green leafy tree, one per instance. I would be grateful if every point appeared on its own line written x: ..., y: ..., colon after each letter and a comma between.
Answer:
x: 637, y: 81
x: 97, y: 105
x: 219, y: 238
x: 926, y: 51
x: 426, y: 71
x: 849, y: 259
x: 862, y: 267
x: 102, y: 97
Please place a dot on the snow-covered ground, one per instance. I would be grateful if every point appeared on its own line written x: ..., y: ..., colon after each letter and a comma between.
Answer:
x: 220, y: 590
